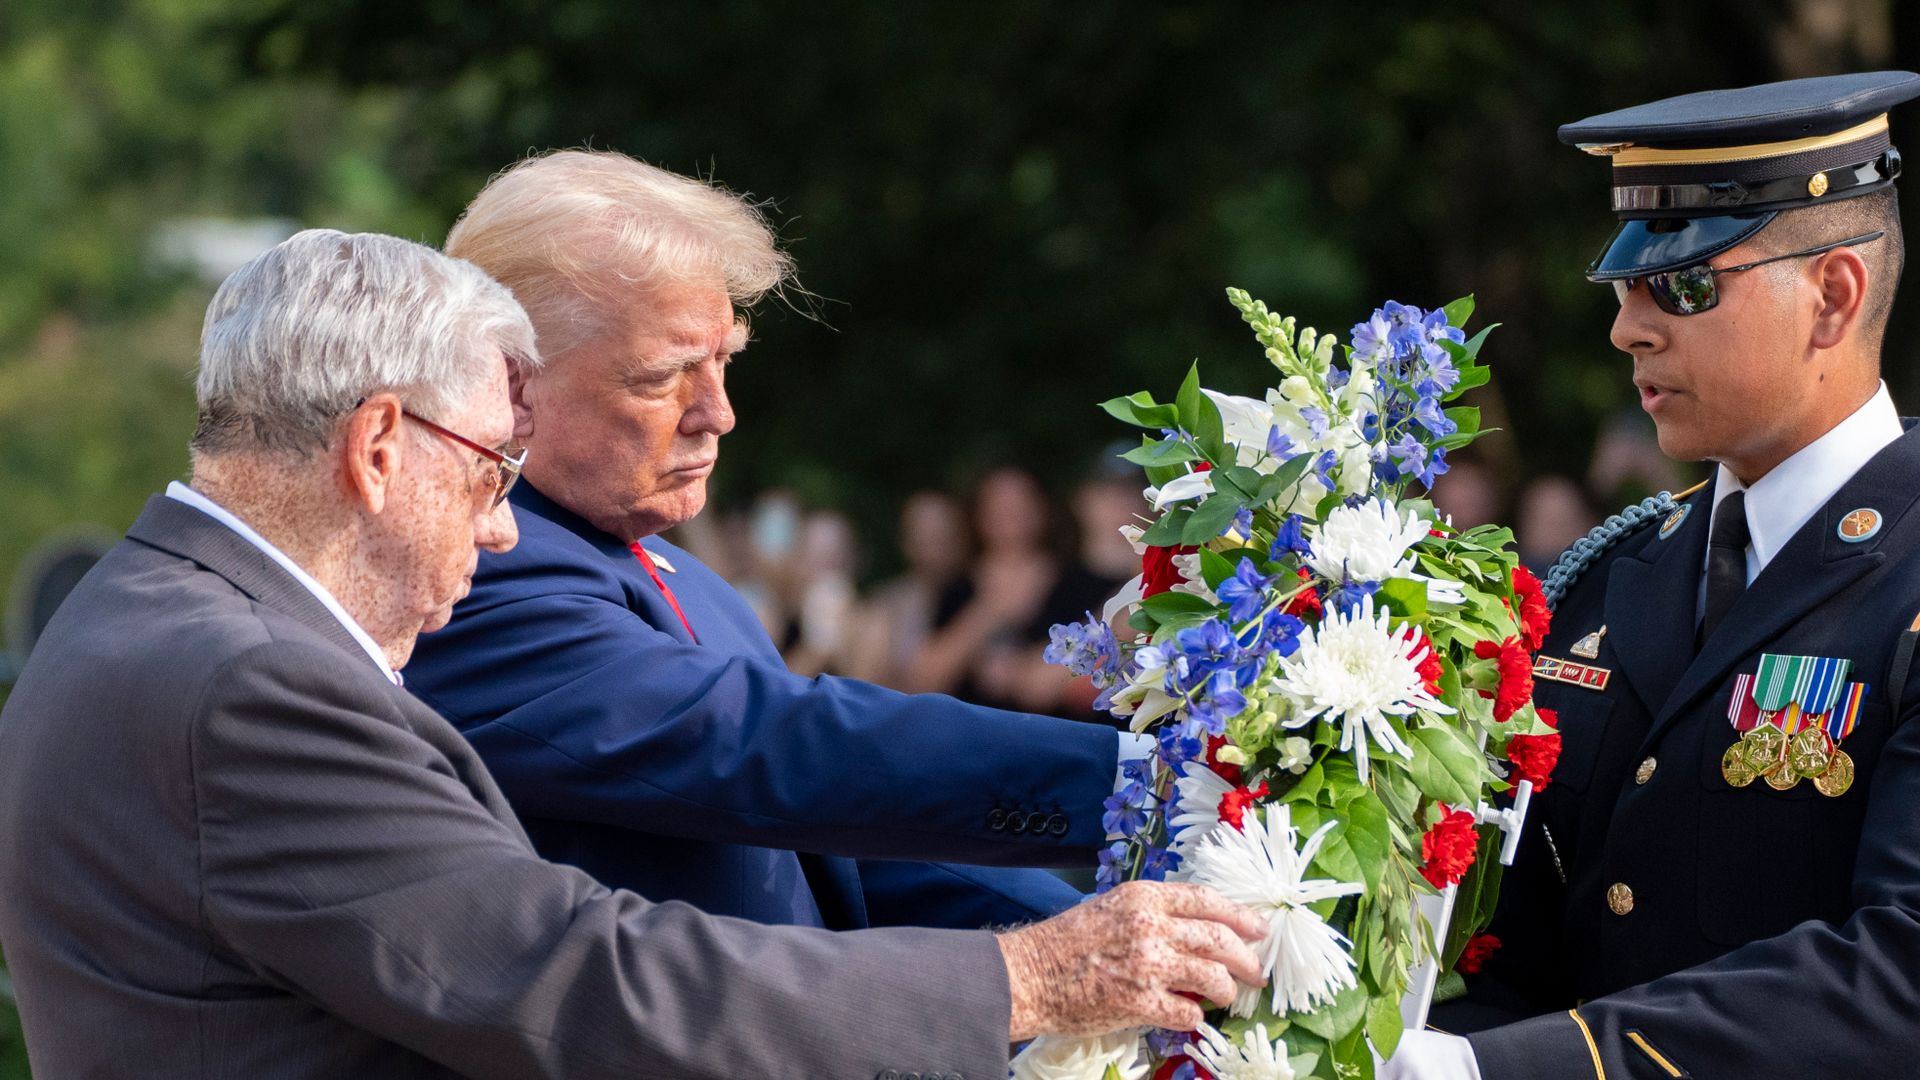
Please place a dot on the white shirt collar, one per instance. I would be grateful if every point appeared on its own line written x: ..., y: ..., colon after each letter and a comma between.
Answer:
x: 1781, y: 502
x: 214, y: 510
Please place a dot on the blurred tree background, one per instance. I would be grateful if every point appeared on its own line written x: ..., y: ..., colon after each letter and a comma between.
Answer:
x: 1004, y: 212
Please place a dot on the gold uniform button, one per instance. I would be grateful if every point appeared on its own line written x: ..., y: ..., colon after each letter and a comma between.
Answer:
x: 1620, y: 898
x: 1645, y: 772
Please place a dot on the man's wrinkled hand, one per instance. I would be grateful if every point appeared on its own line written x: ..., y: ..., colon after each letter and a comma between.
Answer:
x: 1126, y: 959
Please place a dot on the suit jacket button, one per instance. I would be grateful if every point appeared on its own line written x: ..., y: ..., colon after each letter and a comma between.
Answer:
x: 1645, y: 772
x: 1017, y: 822
x: 997, y: 821
x: 888, y: 1074
x: 1620, y: 898
x: 910, y: 1076
x: 1057, y: 825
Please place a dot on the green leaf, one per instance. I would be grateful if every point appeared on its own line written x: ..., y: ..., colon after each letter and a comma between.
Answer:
x: 1356, y: 850
x: 1210, y: 519
x: 1384, y: 1025
x: 1188, y: 400
x: 1216, y: 568
x: 1142, y: 620
x: 1167, y: 531
x: 1159, y: 452
x: 1470, y: 378
x: 1479, y: 339
x: 1460, y: 311
x: 1210, y: 431
x: 1467, y: 416
x: 1404, y: 597
x: 1282, y: 480
x: 1308, y: 787
x: 1446, y: 766
x: 1240, y: 480
x: 1140, y: 411
x: 1335, y: 1020
x: 1167, y: 604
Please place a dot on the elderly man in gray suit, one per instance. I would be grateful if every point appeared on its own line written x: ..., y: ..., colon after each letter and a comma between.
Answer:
x: 232, y: 846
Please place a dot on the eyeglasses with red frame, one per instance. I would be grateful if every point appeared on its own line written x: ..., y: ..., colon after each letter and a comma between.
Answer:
x: 506, y: 466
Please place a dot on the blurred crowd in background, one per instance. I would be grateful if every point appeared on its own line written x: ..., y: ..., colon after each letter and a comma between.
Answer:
x: 977, y: 576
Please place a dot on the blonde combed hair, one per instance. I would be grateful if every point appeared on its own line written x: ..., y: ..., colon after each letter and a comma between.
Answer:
x: 571, y: 232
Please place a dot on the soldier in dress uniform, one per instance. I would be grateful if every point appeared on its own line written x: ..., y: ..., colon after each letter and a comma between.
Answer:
x: 1723, y: 878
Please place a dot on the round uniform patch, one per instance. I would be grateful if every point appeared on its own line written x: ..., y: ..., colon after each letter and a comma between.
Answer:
x: 1860, y: 525
x: 1669, y: 526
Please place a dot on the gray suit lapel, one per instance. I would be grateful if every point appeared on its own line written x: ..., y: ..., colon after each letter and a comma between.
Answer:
x: 173, y: 526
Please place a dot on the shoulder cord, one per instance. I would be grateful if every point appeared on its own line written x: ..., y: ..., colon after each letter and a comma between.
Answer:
x: 1587, y: 550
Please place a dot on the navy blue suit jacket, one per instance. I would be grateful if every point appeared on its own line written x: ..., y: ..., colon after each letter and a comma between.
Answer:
x: 1665, y: 923
x: 707, y: 772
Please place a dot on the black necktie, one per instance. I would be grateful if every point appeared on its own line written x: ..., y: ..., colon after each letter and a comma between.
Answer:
x: 1726, y: 561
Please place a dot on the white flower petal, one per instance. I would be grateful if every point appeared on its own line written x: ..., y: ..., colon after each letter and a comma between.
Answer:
x: 1129, y: 595
x: 1368, y: 542
x: 1060, y: 1057
x: 1180, y: 488
x: 1259, y: 866
x: 1255, y: 1057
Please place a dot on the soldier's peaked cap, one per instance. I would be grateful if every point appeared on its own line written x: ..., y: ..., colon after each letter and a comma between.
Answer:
x: 1697, y: 174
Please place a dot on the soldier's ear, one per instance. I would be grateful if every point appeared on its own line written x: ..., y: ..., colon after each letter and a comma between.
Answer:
x: 371, y: 448
x: 1840, y: 278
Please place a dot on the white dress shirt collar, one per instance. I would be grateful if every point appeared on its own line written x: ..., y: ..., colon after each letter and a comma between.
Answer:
x: 214, y: 510
x: 1782, y: 501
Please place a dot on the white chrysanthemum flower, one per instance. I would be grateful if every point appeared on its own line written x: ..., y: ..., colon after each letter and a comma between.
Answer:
x: 1060, y: 1057
x: 1305, y: 960
x: 1196, y: 806
x: 1368, y: 542
x: 1354, y: 671
x: 1254, y: 1057
x: 1179, y: 489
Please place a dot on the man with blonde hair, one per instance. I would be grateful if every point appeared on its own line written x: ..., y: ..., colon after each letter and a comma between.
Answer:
x: 232, y: 846
x: 627, y: 698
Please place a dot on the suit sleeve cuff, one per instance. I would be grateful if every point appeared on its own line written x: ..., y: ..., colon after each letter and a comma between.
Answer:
x: 1558, y: 1044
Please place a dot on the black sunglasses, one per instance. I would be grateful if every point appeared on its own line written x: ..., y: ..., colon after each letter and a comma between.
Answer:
x: 1691, y: 290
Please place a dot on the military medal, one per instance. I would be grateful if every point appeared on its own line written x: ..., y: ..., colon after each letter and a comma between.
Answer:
x: 1838, y: 778
x: 1791, y: 716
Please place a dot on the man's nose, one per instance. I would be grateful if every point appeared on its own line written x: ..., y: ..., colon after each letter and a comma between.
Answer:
x: 1636, y: 328
x: 497, y: 531
x: 708, y: 409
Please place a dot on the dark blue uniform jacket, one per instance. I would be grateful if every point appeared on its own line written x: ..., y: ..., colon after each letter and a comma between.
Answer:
x: 710, y: 773
x: 1770, y: 933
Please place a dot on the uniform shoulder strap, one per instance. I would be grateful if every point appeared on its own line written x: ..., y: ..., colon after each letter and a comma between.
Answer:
x: 1586, y: 551
x: 1902, y: 663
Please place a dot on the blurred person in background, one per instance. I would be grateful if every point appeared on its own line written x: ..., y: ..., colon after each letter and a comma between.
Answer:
x: 1553, y: 512
x: 628, y: 699
x: 819, y: 634
x: 1468, y: 495
x: 896, y: 621
x: 1627, y: 464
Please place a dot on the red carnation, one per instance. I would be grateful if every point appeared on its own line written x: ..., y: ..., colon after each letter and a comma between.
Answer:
x: 1535, y: 619
x: 1448, y: 848
x: 1479, y: 947
x: 1307, y: 604
x: 1516, y: 676
x: 1534, y: 756
x: 1229, y: 773
x: 1431, y: 672
x: 1157, y: 572
x: 1233, y: 805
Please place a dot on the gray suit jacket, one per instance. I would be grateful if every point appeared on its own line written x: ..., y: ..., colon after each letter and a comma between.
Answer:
x: 229, y: 847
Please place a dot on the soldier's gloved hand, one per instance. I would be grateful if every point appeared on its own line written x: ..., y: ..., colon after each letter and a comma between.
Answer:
x: 1429, y: 1055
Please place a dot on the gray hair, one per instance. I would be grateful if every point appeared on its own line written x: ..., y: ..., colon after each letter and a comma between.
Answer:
x: 575, y: 232
x: 295, y: 338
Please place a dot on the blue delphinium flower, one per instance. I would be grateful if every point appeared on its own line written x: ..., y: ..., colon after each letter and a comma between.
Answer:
x: 1279, y: 447
x: 1346, y: 596
x: 1427, y: 410
x: 1085, y: 648
x: 1182, y: 741
x: 1245, y: 593
x: 1113, y: 867
x: 1126, y: 809
x: 1280, y: 633
x: 1167, y: 1044
x: 1316, y: 420
x: 1242, y: 523
x: 1221, y: 702
x: 1158, y: 864
x: 1290, y: 538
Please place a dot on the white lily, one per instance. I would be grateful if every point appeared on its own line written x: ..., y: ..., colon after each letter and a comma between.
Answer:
x: 1179, y: 489
x: 1258, y: 866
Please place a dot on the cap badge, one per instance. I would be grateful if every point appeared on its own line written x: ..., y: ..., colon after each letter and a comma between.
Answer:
x: 1817, y: 184
x: 1860, y: 525
x: 1672, y: 524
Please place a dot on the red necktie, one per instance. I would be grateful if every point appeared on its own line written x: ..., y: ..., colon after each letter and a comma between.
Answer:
x: 646, y: 561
